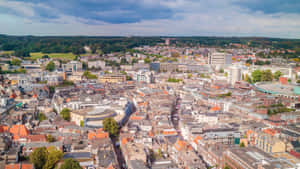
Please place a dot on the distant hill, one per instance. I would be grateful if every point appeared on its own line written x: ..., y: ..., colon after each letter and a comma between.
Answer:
x: 23, y: 45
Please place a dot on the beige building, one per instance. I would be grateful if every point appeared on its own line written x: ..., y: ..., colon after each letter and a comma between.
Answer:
x: 112, y: 78
x: 270, y: 144
x: 93, y: 117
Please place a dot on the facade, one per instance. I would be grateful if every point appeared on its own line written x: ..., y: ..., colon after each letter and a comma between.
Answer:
x: 270, y: 143
x: 219, y: 59
x: 93, y: 117
x: 252, y: 158
x: 168, y: 67
x: 112, y: 78
x: 73, y: 66
x: 235, y: 75
x: 145, y: 76
x: 96, y: 64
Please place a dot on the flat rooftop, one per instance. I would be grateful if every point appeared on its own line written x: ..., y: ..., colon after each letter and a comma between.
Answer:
x: 252, y: 157
x: 276, y: 88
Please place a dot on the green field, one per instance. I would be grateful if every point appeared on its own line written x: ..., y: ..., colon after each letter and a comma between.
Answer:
x: 6, y: 52
x: 64, y: 56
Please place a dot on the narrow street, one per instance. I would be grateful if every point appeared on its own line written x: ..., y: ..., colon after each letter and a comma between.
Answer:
x: 119, y: 153
x: 175, y: 115
x: 116, y: 142
x: 175, y: 120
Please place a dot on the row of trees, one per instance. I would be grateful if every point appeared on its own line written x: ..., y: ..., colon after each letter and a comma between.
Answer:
x: 258, y: 62
x: 48, y: 158
x: 23, y: 45
x: 262, y: 75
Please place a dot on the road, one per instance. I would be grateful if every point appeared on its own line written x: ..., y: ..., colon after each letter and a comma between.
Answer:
x: 175, y: 120
x: 116, y: 143
x: 119, y: 154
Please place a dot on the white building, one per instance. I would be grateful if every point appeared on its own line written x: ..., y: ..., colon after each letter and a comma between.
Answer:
x: 73, y: 66
x: 219, y: 58
x: 96, y: 64
x: 145, y: 76
x: 235, y: 75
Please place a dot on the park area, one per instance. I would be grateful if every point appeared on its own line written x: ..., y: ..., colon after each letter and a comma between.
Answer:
x: 63, y: 56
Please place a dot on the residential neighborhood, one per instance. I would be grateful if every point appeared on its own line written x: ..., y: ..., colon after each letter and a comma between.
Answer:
x: 159, y: 107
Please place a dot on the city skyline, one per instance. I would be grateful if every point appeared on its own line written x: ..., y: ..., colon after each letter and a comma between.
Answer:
x: 275, y: 18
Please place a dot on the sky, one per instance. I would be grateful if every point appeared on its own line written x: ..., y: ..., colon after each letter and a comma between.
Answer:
x: 267, y: 18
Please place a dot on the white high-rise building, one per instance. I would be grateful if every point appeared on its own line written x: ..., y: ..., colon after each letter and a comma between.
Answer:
x: 167, y: 41
x: 235, y: 75
x: 217, y: 58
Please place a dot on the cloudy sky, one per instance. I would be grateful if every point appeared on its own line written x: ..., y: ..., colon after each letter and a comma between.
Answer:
x: 269, y: 18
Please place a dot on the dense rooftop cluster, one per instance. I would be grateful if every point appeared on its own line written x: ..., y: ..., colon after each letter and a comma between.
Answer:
x: 161, y: 106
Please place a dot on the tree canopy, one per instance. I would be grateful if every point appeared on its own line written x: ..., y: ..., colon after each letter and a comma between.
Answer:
x: 16, y: 62
x: 256, y: 76
x: 50, y: 66
x: 265, y: 75
x: 54, y: 156
x: 39, y: 157
x: 70, y: 164
x: 66, y: 114
x: 111, y: 126
x: 89, y: 75
x: 277, y: 75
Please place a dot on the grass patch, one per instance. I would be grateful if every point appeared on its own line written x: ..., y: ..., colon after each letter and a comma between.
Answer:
x: 63, y: 56
x: 7, y: 52
x: 174, y: 80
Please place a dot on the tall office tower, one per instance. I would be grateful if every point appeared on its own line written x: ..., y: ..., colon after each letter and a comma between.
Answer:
x: 167, y: 41
x: 235, y: 75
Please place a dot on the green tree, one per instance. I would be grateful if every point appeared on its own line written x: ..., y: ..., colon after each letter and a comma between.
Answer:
x: 277, y: 75
x: 159, y: 152
x: 65, y: 114
x: 89, y: 75
x: 266, y: 75
x: 221, y: 71
x: 123, y: 61
x: 70, y: 164
x: 45, y: 57
x: 20, y: 70
x: 174, y: 80
x: 147, y: 60
x: 52, y: 89
x: 39, y: 157
x: 189, y: 75
x: 54, y: 156
x: 133, y: 61
x: 50, y: 138
x: 111, y: 126
x: 81, y: 123
x: 242, y: 144
x: 42, y: 117
x: 256, y: 76
x: 50, y: 66
x: 15, y: 62
x: 227, y: 167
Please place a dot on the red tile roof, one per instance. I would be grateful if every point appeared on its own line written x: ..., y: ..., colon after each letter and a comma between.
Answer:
x: 3, y: 129
x: 179, y: 145
x: 19, y: 166
x: 216, y: 108
x: 36, y: 138
x: 19, y: 131
x: 99, y: 134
